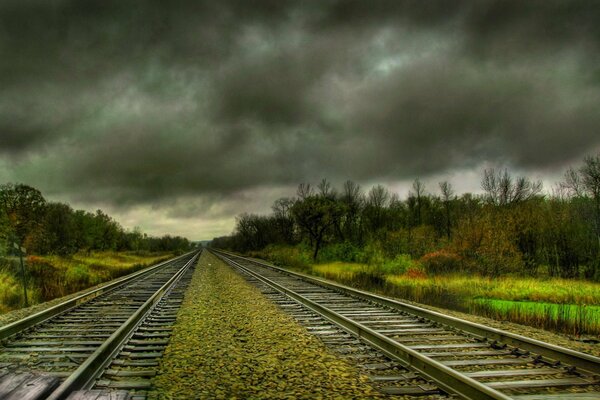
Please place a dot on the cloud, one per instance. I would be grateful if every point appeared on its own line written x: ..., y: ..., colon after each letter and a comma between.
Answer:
x: 177, y: 107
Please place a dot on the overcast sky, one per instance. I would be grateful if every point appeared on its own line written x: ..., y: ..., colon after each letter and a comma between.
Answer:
x: 176, y: 116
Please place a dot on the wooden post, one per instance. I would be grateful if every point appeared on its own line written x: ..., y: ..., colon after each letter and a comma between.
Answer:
x: 22, y: 251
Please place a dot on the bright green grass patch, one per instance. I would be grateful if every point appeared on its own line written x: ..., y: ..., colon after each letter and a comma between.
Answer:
x: 554, y: 310
x: 571, y: 318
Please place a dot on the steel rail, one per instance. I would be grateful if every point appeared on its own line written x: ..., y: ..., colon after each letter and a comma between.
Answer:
x: 18, y: 326
x: 585, y: 362
x: 446, y: 378
x: 84, y: 376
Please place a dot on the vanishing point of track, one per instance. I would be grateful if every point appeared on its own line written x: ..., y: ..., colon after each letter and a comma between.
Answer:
x: 407, y: 343
x: 109, y: 338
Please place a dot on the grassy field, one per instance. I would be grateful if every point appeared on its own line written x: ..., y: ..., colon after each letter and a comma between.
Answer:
x: 50, y: 277
x: 567, y: 306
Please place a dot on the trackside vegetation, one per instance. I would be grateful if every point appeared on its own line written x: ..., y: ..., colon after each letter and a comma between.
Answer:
x: 66, y: 250
x: 52, y: 276
x: 514, y: 252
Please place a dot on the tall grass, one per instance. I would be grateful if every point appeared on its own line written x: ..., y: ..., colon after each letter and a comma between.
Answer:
x: 562, y: 305
x: 49, y: 277
x: 567, y: 318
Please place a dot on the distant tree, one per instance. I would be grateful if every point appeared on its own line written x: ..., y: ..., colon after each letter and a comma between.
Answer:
x: 352, y: 199
x: 396, y: 213
x: 377, y: 201
x: 585, y: 182
x: 22, y: 207
x: 305, y: 190
x: 315, y: 215
x: 283, y: 218
x: 584, y: 185
x: 326, y: 190
x: 57, y: 231
x: 419, y: 192
x: 502, y: 189
x: 85, y: 232
x: 447, y: 196
x: 107, y: 231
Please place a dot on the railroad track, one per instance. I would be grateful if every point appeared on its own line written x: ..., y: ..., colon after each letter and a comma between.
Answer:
x: 404, y: 345
x: 109, y: 338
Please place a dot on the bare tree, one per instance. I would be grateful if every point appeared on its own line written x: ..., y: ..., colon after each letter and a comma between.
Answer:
x: 377, y: 201
x: 447, y: 196
x: 352, y: 193
x: 283, y: 217
x: 419, y: 189
x: 304, y: 191
x: 379, y: 196
x: 585, y: 182
x: 502, y: 189
x: 326, y: 190
x: 352, y: 199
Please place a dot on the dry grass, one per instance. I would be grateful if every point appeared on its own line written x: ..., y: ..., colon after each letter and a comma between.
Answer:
x: 568, y: 306
x: 50, y: 277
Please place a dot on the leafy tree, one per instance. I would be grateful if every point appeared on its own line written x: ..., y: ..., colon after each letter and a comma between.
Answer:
x: 510, y: 228
x: 315, y: 214
x: 56, y: 233
x: 22, y: 207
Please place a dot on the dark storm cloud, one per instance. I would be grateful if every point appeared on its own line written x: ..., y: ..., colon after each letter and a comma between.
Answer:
x: 144, y: 102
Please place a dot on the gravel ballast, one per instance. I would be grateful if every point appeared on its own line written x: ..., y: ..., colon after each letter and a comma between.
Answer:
x: 231, y: 342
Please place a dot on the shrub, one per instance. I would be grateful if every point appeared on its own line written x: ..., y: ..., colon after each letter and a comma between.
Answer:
x: 78, y: 277
x: 422, y: 241
x: 395, y: 242
x: 415, y: 273
x: 11, y: 293
x: 344, y: 251
x: 399, y: 265
x: 441, y: 262
x: 289, y: 256
x: 49, y: 279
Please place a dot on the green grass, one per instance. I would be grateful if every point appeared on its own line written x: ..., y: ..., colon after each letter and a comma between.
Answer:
x: 558, y: 291
x: 50, y: 277
x: 339, y: 269
x: 568, y: 306
x: 11, y: 292
x: 568, y: 318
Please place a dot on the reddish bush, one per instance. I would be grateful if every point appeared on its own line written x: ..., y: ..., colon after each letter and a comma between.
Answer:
x: 441, y: 262
x: 415, y: 273
x: 33, y: 259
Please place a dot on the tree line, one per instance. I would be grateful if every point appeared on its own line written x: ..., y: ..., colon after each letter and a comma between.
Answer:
x: 28, y: 220
x: 512, y: 227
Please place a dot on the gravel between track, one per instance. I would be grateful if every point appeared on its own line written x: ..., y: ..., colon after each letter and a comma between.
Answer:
x: 231, y: 342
